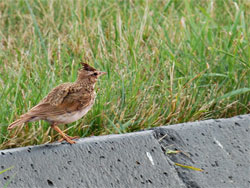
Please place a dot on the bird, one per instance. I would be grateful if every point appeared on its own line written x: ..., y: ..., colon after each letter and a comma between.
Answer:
x: 66, y: 103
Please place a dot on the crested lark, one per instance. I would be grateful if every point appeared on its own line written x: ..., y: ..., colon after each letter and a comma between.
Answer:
x: 66, y: 103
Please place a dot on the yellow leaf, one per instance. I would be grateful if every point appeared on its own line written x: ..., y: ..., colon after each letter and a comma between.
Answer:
x: 189, y: 167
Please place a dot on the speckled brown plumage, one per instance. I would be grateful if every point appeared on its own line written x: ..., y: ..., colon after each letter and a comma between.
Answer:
x: 66, y: 103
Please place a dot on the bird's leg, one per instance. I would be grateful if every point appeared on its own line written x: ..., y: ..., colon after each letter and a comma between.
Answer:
x: 65, y: 137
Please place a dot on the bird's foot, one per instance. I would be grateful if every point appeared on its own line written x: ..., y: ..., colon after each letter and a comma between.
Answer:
x: 64, y: 136
x: 69, y: 139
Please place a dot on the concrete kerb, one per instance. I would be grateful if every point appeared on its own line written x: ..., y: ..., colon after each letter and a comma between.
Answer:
x: 220, y: 147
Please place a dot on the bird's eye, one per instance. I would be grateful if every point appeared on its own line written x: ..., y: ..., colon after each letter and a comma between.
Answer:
x: 95, y: 74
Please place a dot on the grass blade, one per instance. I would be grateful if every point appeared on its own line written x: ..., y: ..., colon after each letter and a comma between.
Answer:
x: 189, y: 167
x: 233, y: 93
x: 38, y: 30
x: 6, y: 169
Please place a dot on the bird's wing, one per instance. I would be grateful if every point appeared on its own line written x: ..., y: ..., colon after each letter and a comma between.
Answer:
x: 76, y: 101
x: 57, y: 95
x: 44, y: 110
x: 49, y: 105
x: 62, y: 99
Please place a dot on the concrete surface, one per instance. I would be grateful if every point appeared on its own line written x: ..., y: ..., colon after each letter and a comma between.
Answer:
x: 220, y: 147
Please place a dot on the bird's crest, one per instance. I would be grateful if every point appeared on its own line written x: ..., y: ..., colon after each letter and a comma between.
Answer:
x: 87, y: 67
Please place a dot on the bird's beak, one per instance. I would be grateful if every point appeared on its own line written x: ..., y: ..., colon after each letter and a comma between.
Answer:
x: 100, y: 73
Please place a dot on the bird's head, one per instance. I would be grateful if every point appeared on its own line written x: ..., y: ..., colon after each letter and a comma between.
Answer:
x: 89, y: 73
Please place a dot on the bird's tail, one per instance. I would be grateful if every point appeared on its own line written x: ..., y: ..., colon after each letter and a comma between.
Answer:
x: 18, y: 122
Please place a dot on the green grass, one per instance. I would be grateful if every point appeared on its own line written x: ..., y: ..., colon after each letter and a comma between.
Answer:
x: 168, y: 62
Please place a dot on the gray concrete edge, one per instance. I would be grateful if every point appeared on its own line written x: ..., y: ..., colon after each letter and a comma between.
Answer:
x: 217, y: 137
